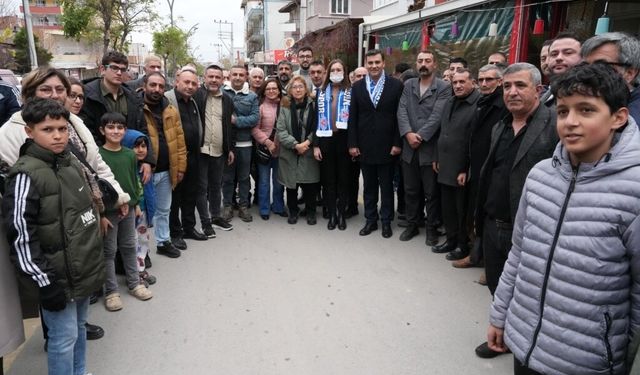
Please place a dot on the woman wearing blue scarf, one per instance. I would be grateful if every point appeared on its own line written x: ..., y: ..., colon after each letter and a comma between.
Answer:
x: 330, y: 144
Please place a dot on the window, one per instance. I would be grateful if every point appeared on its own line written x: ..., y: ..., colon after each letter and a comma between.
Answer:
x: 340, y: 6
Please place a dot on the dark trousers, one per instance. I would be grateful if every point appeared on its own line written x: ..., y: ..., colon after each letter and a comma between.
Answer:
x: 309, y: 192
x: 183, y: 199
x: 419, y: 191
x: 454, y: 215
x: 520, y: 369
x: 398, y: 184
x: 378, y: 178
x: 472, y: 193
x: 334, y: 172
x: 496, y: 242
x: 354, y: 185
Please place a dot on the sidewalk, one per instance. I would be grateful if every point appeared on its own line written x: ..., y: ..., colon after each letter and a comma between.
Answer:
x: 273, y: 298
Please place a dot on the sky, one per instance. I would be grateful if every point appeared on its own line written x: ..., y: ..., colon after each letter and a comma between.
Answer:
x: 203, y: 13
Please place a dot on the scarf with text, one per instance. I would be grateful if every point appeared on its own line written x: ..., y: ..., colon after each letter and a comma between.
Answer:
x: 375, y: 91
x: 324, y: 111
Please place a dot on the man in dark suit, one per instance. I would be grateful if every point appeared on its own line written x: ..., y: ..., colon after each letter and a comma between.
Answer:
x: 452, y: 163
x: 518, y: 142
x: 374, y: 138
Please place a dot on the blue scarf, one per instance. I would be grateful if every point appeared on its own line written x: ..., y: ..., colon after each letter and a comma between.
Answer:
x: 375, y: 91
x: 324, y: 111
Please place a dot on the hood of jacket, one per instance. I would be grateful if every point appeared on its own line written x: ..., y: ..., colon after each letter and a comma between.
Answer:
x: 245, y: 89
x: 131, y: 136
x: 624, y: 154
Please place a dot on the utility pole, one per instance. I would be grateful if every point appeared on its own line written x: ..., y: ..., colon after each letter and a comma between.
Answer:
x: 29, y: 25
x: 223, y: 35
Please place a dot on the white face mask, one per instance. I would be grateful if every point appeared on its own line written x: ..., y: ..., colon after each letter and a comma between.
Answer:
x: 336, y: 77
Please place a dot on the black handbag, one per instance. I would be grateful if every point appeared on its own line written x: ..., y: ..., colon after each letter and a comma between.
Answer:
x: 108, y: 192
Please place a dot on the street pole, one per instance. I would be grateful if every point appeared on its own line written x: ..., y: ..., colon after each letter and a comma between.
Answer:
x: 223, y: 35
x: 30, y: 41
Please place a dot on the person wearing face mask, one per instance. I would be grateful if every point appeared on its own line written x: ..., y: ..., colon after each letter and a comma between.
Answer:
x: 330, y: 144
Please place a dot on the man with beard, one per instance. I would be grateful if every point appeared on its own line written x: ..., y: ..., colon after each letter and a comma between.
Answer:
x: 216, y: 148
x: 305, y: 57
x: 451, y: 162
x: 490, y: 110
x: 373, y: 136
x: 183, y: 201
x: 419, y: 115
x: 564, y: 53
x: 284, y: 74
x: 168, y: 144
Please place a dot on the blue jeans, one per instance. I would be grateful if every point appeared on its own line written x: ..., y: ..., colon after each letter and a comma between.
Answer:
x: 265, y: 178
x: 239, y: 169
x: 162, y: 185
x: 67, y: 349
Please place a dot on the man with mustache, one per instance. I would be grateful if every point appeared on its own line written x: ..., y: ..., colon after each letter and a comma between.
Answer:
x: 305, y: 57
x: 419, y: 115
x: 168, y: 145
x: 519, y: 141
x: 564, y: 53
x: 284, y: 74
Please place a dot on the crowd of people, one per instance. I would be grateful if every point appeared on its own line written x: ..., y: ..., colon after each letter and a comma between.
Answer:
x: 537, y: 184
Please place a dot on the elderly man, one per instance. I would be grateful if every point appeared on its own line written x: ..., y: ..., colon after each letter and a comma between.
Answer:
x: 359, y: 73
x: 419, y: 114
x: 183, y: 200
x: 256, y: 78
x: 497, y: 58
x: 152, y: 63
x: 622, y: 51
x: 519, y: 141
x: 451, y: 162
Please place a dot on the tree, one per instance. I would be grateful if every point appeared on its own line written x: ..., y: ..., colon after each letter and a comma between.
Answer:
x: 172, y: 45
x: 22, y: 58
x: 132, y: 16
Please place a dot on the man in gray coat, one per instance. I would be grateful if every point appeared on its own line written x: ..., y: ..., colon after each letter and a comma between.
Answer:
x: 518, y: 142
x: 452, y: 162
x: 419, y: 114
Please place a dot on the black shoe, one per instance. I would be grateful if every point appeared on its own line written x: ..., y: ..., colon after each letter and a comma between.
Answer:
x: 386, y: 230
x: 342, y: 223
x: 147, y: 261
x: 332, y: 223
x: 368, y: 228
x: 264, y: 217
x: 208, y: 231
x: 293, y: 218
x: 221, y: 224
x: 195, y: 234
x: 167, y: 249
x: 483, y: 351
x: 457, y: 254
x: 409, y: 233
x: 444, y: 248
x: 179, y: 243
x: 94, y: 332
x: 311, y: 218
x: 432, y: 237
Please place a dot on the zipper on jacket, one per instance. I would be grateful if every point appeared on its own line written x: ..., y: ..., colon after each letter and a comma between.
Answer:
x: 607, y: 321
x: 545, y: 281
x: 64, y: 239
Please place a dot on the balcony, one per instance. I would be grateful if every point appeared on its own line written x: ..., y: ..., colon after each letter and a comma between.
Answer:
x: 36, y: 9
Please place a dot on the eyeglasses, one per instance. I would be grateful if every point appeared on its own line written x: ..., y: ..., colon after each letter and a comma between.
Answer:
x: 73, y: 96
x: 116, y: 68
x: 305, y: 56
x: 47, y: 91
x: 298, y: 87
x: 488, y: 79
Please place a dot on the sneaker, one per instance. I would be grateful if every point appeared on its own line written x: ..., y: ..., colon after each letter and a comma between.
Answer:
x: 167, y: 249
x: 148, y: 278
x: 194, y: 234
x: 141, y: 292
x: 221, y: 224
x: 244, y: 214
x: 112, y: 302
x: 227, y: 213
x: 208, y: 231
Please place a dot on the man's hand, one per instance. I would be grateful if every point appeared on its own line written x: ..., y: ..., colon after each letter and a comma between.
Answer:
x: 494, y: 339
x: 414, y: 140
x: 124, y: 210
x: 230, y: 158
x: 436, y: 166
x: 462, y: 179
x: 354, y: 152
x: 233, y: 119
x: 105, y: 224
x: 180, y: 176
x: 395, y: 150
x: 145, y: 168
x: 317, y: 154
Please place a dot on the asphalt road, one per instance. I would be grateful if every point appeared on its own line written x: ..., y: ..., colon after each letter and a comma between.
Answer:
x: 273, y: 298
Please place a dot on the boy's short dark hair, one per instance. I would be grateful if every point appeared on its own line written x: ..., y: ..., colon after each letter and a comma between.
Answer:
x: 597, y: 80
x: 112, y: 118
x: 139, y: 141
x: 115, y: 57
x: 37, y: 109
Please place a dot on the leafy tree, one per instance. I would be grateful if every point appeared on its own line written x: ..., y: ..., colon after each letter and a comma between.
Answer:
x: 172, y: 45
x: 22, y: 58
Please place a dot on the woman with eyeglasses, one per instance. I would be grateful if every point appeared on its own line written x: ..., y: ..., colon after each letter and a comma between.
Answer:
x: 75, y: 98
x: 47, y: 82
x: 269, y: 94
x: 297, y: 167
